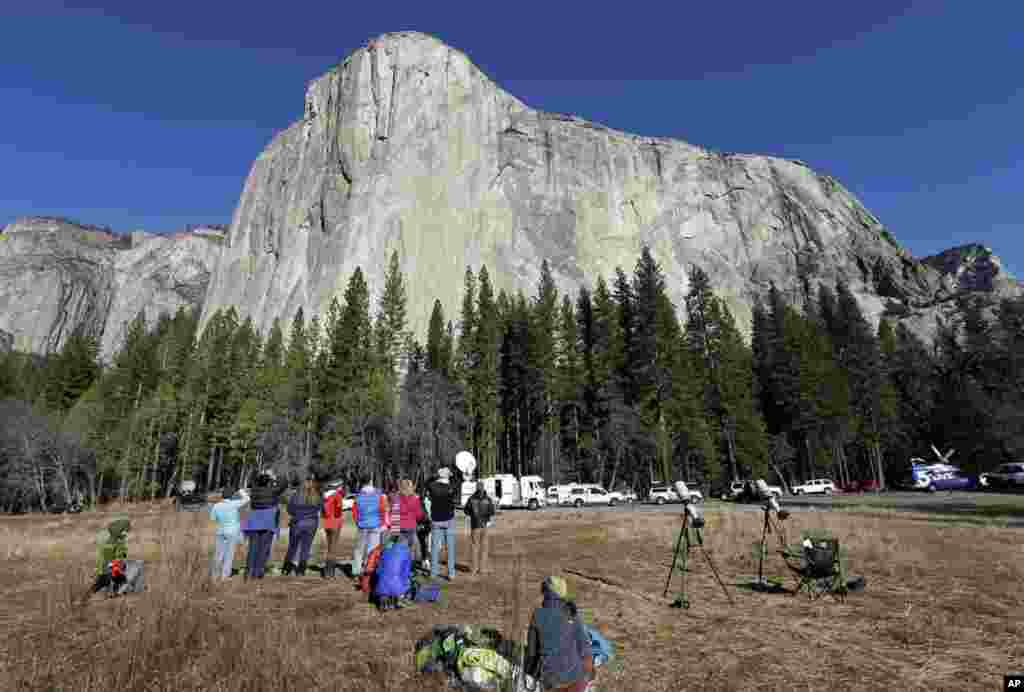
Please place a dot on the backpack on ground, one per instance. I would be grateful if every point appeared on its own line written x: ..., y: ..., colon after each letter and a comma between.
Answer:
x: 366, y: 578
x: 601, y: 649
x: 427, y: 593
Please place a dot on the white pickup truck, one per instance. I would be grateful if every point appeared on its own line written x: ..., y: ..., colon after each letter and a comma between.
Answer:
x: 818, y: 486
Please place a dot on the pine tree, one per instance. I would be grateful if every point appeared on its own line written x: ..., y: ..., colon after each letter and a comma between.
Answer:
x: 482, y: 377
x: 858, y: 356
x: 650, y: 357
x: 72, y: 371
x: 714, y: 340
x: 295, y: 392
x: 569, y: 383
x: 586, y: 347
x: 467, y: 327
x: 350, y: 370
x: 435, y: 339
x: 544, y: 329
x: 624, y: 347
x: 391, y: 321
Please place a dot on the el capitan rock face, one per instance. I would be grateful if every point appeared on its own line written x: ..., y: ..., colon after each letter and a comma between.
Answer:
x: 56, y: 275
x: 407, y: 146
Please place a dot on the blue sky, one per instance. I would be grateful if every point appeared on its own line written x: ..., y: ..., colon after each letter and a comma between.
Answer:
x: 148, y: 115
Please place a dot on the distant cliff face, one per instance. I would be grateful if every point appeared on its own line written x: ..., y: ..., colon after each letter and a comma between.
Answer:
x: 407, y: 146
x: 56, y: 275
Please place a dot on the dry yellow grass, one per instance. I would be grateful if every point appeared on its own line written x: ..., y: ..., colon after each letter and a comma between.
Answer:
x: 943, y: 609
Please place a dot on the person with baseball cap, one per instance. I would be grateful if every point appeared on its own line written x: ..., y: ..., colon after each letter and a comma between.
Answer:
x: 558, y: 650
x: 443, y: 498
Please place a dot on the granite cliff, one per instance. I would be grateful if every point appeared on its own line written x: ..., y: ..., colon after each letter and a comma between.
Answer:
x: 56, y: 275
x: 407, y: 146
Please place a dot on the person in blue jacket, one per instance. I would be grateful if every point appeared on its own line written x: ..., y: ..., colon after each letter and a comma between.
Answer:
x: 558, y: 651
x: 392, y: 578
x: 370, y: 512
x: 304, y: 508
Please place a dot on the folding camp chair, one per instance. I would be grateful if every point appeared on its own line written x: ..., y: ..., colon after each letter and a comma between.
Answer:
x: 818, y: 570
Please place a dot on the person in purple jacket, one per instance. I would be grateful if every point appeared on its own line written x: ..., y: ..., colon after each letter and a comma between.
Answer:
x: 304, y: 510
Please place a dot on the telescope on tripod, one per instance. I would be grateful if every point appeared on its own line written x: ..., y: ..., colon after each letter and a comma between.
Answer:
x: 771, y: 504
x: 690, y: 533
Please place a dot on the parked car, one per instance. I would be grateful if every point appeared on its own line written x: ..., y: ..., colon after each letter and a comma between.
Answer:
x: 663, y: 492
x: 590, y: 494
x: 817, y: 486
x: 860, y: 486
x: 1005, y: 477
x: 624, y: 495
x: 559, y: 494
x: 738, y: 491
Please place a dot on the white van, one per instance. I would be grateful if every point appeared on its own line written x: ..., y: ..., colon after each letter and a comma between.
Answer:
x: 507, y: 491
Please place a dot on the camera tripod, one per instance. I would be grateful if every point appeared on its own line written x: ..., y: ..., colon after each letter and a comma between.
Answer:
x: 766, y: 529
x: 683, y: 545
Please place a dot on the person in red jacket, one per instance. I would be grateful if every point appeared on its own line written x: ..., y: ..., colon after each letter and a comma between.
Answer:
x: 411, y: 514
x: 333, y: 519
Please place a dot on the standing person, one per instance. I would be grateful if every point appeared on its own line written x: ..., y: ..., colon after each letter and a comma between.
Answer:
x: 394, y: 511
x: 443, y: 498
x: 423, y: 531
x: 304, y: 508
x: 333, y: 517
x: 261, y: 524
x: 558, y: 650
x: 227, y: 515
x: 480, y: 510
x: 370, y: 513
x: 411, y: 515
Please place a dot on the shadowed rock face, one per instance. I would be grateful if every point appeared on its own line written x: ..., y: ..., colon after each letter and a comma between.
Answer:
x: 56, y: 275
x: 407, y: 146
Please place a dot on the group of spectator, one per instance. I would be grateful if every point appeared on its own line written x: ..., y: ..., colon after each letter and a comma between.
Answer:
x: 376, y: 513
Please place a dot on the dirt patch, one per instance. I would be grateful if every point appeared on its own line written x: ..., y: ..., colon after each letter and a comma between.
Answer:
x: 942, y: 607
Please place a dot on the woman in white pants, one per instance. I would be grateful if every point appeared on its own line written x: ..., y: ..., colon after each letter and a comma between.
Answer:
x: 226, y: 514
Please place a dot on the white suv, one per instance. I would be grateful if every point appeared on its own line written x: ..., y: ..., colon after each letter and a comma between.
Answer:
x: 590, y: 495
x: 663, y: 492
x: 818, y: 486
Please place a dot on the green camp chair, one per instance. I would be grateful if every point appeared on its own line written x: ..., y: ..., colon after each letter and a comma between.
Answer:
x: 818, y: 569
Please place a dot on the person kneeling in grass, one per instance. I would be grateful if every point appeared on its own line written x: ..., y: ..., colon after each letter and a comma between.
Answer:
x: 558, y: 650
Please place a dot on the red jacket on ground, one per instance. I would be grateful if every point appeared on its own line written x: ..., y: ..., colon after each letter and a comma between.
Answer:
x: 412, y: 511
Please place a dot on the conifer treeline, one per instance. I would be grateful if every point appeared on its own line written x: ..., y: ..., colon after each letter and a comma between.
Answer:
x: 610, y: 385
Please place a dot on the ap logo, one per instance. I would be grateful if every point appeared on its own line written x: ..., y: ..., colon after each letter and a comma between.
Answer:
x: 1014, y: 682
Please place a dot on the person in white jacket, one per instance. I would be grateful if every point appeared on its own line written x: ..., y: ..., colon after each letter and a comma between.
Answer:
x: 226, y: 514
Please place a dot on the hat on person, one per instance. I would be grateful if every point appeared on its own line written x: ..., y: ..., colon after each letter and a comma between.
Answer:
x: 557, y: 586
x: 444, y: 473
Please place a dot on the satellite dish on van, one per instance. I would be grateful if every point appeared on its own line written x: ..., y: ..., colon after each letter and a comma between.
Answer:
x: 465, y: 462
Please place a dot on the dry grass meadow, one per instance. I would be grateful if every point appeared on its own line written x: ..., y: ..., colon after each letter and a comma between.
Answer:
x: 943, y: 608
